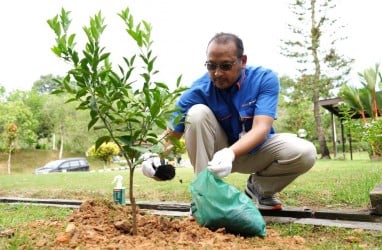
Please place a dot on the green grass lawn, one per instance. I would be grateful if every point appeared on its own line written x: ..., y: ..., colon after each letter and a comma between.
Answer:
x: 329, y: 184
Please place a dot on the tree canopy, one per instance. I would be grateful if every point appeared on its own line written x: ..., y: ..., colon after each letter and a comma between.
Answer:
x: 321, y: 67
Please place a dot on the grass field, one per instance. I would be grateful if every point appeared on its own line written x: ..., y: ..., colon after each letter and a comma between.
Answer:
x: 329, y: 184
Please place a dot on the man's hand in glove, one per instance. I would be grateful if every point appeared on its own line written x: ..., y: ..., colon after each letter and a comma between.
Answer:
x: 157, y: 168
x: 221, y: 163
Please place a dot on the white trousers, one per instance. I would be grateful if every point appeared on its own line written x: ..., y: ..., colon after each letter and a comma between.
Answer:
x: 279, y: 161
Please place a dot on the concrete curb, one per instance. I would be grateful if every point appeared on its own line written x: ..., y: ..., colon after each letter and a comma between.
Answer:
x: 376, y: 199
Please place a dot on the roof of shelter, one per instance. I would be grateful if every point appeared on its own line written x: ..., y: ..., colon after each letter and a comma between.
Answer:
x: 333, y: 106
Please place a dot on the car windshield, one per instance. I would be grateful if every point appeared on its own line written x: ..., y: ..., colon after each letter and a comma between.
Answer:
x: 52, y: 165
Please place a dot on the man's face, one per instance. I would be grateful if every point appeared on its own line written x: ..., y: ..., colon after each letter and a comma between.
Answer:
x: 223, y: 65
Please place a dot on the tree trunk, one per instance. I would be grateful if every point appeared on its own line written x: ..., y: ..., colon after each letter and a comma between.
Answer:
x: 53, y: 141
x: 61, y: 143
x: 132, y: 201
x: 9, y: 158
x: 325, y: 154
x: 315, y: 41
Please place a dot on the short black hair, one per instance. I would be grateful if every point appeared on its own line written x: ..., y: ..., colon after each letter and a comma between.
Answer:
x: 223, y: 37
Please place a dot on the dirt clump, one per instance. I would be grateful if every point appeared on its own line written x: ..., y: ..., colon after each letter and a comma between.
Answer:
x: 99, y: 224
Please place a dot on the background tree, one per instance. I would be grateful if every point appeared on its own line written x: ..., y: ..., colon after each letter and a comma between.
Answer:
x: 127, y: 110
x: 10, y: 138
x: 40, y: 94
x: 294, y: 109
x: 104, y: 152
x: 14, y: 110
x: 45, y: 84
x: 66, y: 125
x: 38, y: 116
x: 2, y: 92
x: 313, y: 45
x: 36, y: 102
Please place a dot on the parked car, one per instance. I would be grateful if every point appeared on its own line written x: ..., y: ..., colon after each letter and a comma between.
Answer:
x: 64, y: 165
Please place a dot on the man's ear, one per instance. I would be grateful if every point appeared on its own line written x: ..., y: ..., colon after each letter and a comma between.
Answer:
x: 243, y: 61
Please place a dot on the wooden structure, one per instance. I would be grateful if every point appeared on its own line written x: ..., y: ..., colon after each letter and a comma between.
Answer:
x: 332, y: 105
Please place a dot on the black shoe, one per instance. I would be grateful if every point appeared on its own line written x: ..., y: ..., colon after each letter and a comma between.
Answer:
x: 262, y: 202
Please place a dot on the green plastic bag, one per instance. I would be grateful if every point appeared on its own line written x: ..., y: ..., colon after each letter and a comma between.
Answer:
x: 216, y: 204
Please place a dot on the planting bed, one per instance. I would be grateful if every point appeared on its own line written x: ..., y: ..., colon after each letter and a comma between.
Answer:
x: 104, y: 225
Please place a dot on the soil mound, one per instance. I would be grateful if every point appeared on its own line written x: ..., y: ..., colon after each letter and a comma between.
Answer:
x: 99, y: 224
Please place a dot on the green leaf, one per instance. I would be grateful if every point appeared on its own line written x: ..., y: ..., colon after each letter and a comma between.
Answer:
x: 161, y: 124
x: 92, y: 122
x: 125, y: 139
x: 154, y: 109
x: 161, y: 85
x: 104, y: 56
x: 101, y: 140
x: 71, y: 43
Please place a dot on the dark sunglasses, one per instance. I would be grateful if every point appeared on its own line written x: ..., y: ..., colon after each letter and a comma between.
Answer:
x: 223, y: 66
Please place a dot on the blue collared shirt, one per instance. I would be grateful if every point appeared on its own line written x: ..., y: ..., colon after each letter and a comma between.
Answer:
x: 255, y: 93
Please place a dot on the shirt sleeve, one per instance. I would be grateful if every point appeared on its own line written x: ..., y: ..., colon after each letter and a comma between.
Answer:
x: 196, y: 94
x: 185, y: 102
x: 267, y: 99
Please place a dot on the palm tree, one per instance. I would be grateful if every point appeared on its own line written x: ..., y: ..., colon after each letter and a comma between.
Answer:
x: 352, y: 97
x: 367, y: 101
x: 369, y: 79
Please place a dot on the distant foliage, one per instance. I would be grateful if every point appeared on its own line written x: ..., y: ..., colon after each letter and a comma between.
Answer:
x: 105, y: 152
x: 366, y: 102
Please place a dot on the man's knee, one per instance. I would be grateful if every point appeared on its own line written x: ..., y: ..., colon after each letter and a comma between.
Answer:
x: 198, y: 113
x: 300, y: 157
x: 308, y: 156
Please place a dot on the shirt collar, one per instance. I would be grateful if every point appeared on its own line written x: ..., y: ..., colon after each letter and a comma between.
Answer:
x: 238, y: 84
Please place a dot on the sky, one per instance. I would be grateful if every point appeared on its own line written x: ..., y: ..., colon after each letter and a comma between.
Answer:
x: 181, y: 31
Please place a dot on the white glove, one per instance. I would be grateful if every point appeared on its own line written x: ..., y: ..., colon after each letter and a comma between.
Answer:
x: 221, y: 163
x: 155, y: 167
x: 149, y: 164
